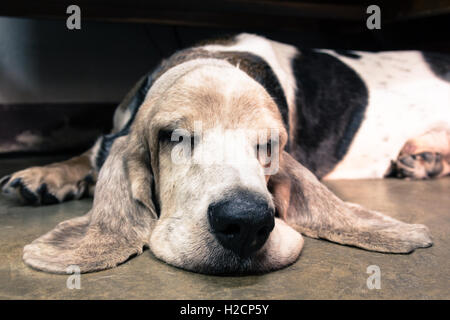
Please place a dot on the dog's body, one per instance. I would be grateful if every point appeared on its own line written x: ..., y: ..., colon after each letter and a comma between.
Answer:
x: 341, y: 115
x: 348, y: 114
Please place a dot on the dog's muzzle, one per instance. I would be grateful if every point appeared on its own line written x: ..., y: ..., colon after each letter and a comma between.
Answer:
x: 241, y: 222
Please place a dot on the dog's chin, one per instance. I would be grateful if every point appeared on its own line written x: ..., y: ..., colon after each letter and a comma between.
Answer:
x: 281, y: 249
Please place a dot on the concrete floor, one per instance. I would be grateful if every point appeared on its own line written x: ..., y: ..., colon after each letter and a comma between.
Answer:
x: 324, y: 270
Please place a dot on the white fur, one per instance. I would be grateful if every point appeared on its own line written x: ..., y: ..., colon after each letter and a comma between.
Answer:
x: 406, y: 99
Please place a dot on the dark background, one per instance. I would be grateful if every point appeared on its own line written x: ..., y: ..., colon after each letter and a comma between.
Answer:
x: 59, y: 87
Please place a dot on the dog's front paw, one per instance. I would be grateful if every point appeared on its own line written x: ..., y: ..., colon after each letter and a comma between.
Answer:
x: 44, y: 185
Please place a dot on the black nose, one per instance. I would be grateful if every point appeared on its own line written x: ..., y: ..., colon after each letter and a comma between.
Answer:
x: 242, y: 222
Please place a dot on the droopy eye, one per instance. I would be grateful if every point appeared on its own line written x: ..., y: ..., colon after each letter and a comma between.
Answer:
x: 173, y: 137
x: 268, y: 147
x: 165, y: 136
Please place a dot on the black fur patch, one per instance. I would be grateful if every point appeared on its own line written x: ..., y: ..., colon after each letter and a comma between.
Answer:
x: 439, y: 63
x: 257, y: 68
x: 46, y: 196
x: 331, y: 101
x: 27, y: 195
x: 104, y: 148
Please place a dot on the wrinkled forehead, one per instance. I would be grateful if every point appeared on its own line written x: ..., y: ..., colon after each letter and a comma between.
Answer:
x: 217, y: 96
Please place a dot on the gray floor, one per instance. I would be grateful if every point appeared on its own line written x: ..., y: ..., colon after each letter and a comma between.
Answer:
x: 324, y: 270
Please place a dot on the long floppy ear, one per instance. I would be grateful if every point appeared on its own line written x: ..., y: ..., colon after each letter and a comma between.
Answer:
x: 118, y: 225
x: 309, y: 207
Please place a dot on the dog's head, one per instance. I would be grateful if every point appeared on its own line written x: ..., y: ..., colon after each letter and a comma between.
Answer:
x: 201, y: 179
x: 213, y: 142
x: 192, y: 181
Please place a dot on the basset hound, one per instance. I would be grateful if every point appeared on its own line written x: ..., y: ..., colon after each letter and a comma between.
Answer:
x: 216, y: 156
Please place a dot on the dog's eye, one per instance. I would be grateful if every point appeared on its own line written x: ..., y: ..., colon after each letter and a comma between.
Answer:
x: 172, y: 137
x: 268, y: 147
x: 165, y: 136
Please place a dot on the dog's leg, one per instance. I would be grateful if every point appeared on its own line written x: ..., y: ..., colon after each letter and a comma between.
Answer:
x: 53, y: 183
x: 424, y: 157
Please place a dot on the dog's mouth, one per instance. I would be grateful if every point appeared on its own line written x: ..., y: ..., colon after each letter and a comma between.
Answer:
x: 282, y: 248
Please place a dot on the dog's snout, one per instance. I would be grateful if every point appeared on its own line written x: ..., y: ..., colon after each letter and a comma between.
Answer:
x: 242, y: 222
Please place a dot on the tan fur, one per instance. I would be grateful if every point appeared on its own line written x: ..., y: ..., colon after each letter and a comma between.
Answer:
x: 114, y: 229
